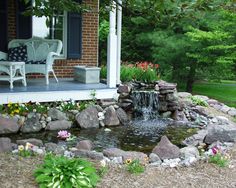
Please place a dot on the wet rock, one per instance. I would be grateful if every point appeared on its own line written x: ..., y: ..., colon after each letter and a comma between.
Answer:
x: 59, y: 125
x: 122, y: 116
x: 84, y: 145
x: 88, y: 118
x: 5, y: 144
x: 172, y: 97
x: 166, y: 114
x: 8, y: 126
x: 166, y: 150
x: 33, y: 141
x: 56, y: 114
x: 111, y: 118
x: 222, y: 133
x: 32, y: 124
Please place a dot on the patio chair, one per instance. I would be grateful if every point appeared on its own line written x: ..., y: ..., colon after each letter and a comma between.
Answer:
x: 39, y: 57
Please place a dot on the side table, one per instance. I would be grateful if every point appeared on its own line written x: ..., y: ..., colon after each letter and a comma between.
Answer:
x: 14, y: 70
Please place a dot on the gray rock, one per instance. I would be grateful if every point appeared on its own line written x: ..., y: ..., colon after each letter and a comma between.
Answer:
x: 32, y: 124
x: 222, y: 133
x: 179, y: 116
x: 111, y: 118
x: 172, y: 97
x: 184, y: 95
x: 88, y: 154
x: 8, y: 126
x: 202, y: 97
x: 212, y: 102
x: 232, y: 112
x: 222, y: 120
x: 122, y: 116
x: 54, y: 148
x: 33, y: 141
x: 113, y: 152
x: 189, y: 151
x: 56, y: 114
x: 166, y: 86
x: 225, y: 109
x: 117, y: 160
x: 154, y: 158
x: 88, y: 118
x: 5, y: 144
x: 124, y: 89
x: 134, y: 155
x: 84, y: 145
x: 200, y: 110
x: 166, y: 150
x: 59, y: 125
x: 196, y: 139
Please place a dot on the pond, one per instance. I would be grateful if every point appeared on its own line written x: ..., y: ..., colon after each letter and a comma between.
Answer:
x: 141, y: 135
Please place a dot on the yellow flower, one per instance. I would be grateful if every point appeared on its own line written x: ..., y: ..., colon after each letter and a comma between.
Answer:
x: 9, y: 104
x: 21, y: 148
x: 17, y: 111
x: 128, y: 161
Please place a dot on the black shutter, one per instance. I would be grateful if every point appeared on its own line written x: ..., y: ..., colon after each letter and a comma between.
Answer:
x: 4, y: 25
x: 23, y: 23
x: 74, y: 35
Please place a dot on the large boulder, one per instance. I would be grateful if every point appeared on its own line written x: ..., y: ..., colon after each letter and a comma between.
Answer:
x: 54, y: 148
x: 196, y: 139
x: 8, y: 126
x: 122, y: 116
x: 113, y: 152
x: 88, y: 118
x: 5, y: 144
x: 56, y: 114
x: 32, y: 124
x: 166, y: 150
x: 111, y: 118
x: 221, y: 132
x: 59, y: 125
x: 33, y: 141
x: 88, y: 154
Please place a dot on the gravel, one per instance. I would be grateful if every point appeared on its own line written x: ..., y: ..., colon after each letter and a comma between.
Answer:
x: 17, y: 172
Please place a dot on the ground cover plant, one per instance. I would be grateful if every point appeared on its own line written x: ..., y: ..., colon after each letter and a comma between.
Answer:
x: 134, y: 166
x: 59, y: 171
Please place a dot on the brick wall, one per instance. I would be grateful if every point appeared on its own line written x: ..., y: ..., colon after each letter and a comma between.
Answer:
x: 64, y: 67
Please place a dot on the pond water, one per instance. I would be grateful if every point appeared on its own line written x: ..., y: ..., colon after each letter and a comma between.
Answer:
x: 141, y: 135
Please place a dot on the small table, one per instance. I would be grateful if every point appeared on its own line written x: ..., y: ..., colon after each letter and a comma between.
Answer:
x: 14, y: 70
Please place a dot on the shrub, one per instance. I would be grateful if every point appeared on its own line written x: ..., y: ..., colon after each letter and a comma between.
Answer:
x: 134, y: 167
x: 59, y: 171
x: 198, y: 101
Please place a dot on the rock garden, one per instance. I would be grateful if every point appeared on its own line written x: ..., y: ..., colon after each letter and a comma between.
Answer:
x: 147, y: 127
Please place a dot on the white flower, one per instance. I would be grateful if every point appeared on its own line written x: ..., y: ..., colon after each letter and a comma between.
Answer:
x: 34, y: 110
x: 103, y: 163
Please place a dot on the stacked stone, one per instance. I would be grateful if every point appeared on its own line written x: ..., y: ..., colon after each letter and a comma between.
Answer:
x: 125, y: 100
x: 168, y: 98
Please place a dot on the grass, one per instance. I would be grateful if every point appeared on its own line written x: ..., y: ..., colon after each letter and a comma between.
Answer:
x: 225, y: 91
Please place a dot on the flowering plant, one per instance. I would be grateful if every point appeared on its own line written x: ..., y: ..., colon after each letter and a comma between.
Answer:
x: 219, y: 157
x: 134, y: 166
x: 63, y: 134
x: 26, y: 151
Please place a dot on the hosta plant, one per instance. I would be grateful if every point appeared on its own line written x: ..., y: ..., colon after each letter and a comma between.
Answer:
x: 62, y: 172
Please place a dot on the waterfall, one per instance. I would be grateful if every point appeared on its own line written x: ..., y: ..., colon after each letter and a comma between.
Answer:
x: 145, y: 104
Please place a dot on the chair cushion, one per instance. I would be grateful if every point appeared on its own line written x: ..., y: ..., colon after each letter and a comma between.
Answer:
x: 36, y: 62
x: 18, y: 53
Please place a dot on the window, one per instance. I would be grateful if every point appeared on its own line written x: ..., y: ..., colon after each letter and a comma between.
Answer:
x: 57, y: 29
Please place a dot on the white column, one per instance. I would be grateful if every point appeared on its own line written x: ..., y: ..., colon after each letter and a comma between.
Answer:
x: 112, y: 49
x: 119, y: 29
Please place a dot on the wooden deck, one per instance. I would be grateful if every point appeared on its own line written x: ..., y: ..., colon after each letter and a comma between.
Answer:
x: 66, y: 89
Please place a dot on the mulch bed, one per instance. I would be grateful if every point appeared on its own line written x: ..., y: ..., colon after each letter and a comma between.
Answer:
x: 17, y: 172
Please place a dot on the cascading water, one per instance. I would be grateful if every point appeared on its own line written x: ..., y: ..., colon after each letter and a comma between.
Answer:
x: 145, y: 104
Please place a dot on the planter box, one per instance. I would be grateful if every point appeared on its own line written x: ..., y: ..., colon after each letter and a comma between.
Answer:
x: 87, y: 75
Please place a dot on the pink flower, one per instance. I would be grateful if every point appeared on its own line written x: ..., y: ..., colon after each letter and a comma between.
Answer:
x: 63, y: 134
x: 214, y: 150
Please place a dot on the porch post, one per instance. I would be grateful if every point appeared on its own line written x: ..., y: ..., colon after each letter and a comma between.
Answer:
x: 112, y: 48
x: 119, y: 28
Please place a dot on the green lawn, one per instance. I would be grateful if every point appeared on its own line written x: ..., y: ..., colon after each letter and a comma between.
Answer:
x: 224, y: 91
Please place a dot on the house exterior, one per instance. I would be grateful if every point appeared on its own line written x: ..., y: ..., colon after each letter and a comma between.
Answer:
x: 79, y: 34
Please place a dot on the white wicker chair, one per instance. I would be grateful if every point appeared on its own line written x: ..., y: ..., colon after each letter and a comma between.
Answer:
x: 38, y: 49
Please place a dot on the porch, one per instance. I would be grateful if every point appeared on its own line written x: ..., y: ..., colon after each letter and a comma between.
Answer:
x: 65, y: 89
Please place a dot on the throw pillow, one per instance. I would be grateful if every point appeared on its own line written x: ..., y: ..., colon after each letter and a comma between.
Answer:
x: 18, y: 53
